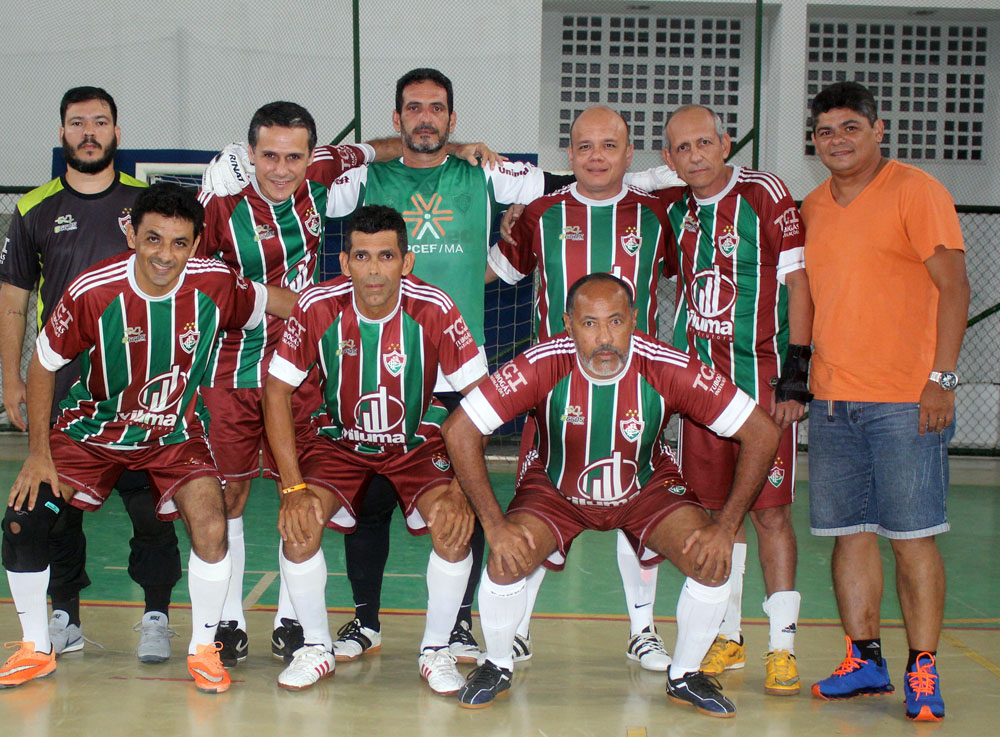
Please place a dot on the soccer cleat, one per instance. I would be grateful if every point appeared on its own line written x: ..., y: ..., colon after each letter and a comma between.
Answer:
x: 484, y: 684
x: 354, y: 640
x: 154, y: 638
x: 723, y: 655
x: 647, y: 647
x: 286, y: 639
x: 26, y: 665
x: 922, y: 690
x: 310, y: 664
x: 522, y: 648
x: 854, y: 677
x: 65, y: 637
x: 437, y: 667
x: 782, y: 675
x: 701, y: 691
x: 234, y: 643
x: 207, y: 671
x: 462, y: 644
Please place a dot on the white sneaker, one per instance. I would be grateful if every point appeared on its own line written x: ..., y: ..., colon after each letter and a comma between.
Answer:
x: 462, y: 644
x: 647, y: 647
x: 66, y: 637
x: 353, y: 641
x: 522, y: 648
x: 154, y: 638
x: 437, y: 667
x: 310, y: 663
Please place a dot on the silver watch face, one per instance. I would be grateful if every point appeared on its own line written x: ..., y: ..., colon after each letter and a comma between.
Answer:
x: 948, y: 380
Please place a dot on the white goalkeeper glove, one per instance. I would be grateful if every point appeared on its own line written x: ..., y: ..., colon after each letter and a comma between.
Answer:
x: 228, y: 172
x: 660, y: 177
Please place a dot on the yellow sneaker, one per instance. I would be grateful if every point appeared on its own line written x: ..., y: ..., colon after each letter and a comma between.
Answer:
x: 782, y: 677
x: 723, y: 655
x: 25, y: 665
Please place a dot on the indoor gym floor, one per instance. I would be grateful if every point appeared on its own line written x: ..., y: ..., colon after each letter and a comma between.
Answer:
x: 578, y: 683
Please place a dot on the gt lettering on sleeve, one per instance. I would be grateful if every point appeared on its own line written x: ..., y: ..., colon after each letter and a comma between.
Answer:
x: 508, y: 379
x: 294, y: 330
x: 704, y: 377
x: 459, y: 333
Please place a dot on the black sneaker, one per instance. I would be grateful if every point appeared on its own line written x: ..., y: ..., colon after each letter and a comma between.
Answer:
x: 286, y: 639
x: 702, y: 692
x: 234, y: 643
x: 462, y: 644
x: 484, y: 684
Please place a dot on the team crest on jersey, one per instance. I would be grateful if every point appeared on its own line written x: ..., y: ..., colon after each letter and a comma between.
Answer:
x: 264, y: 232
x: 728, y: 242
x: 572, y: 233
x: 607, y: 482
x: 134, y: 335
x: 312, y: 221
x: 777, y: 473
x: 394, y: 360
x: 690, y: 223
x: 189, y: 338
x: 125, y: 219
x: 573, y: 415
x: 631, y: 241
x: 631, y: 427
x: 441, y: 462
x: 677, y: 489
x: 346, y: 348
x: 64, y: 223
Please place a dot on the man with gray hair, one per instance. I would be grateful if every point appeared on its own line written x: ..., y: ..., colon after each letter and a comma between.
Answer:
x: 743, y: 308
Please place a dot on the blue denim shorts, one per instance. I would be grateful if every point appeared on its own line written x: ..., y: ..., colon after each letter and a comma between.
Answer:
x: 871, y: 471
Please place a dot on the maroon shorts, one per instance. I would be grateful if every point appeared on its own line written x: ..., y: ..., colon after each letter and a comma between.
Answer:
x: 709, y: 462
x: 662, y: 493
x: 335, y: 467
x: 93, y: 470
x: 236, y: 430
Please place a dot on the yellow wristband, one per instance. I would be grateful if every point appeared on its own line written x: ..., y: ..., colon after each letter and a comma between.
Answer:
x: 293, y: 489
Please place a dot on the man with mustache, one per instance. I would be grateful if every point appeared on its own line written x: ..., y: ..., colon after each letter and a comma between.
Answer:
x: 609, y: 471
x: 59, y: 230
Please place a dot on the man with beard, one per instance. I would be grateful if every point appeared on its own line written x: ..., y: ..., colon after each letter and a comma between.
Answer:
x: 57, y: 231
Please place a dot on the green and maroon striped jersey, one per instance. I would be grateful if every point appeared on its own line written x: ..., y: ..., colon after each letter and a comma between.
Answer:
x: 378, y: 377
x: 143, y: 358
x: 735, y: 249
x: 599, y: 440
x: 568, y: 236
x: 275, y: 243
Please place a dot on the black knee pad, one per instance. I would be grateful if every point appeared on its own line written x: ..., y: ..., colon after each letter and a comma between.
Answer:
x: 25, y: 547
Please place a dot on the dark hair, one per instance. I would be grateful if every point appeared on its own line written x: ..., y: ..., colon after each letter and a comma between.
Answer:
x: 596, y: 277
x: 424, y: 75
x: 849, y: 95
x: 285, y: 114
x: 171, y: 201
x: 372, y: 219
x: 83, y: 94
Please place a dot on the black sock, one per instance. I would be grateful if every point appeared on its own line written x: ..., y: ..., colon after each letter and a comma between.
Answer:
x: 870, y: 649
x: 157, y: 598
x: 912, y: 661
x: 70, y: 606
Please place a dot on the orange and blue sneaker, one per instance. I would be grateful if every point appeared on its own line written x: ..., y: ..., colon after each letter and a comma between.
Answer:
x: 922, y: 689
x: 854, y: 677
x: 205, y: 667
x: 26, y: 665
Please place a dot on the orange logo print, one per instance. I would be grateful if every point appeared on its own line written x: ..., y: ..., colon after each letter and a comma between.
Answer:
x: 427, y: 216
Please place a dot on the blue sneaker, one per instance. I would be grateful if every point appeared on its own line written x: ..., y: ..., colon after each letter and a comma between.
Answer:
x: 922, y: 689
x: 854, y: 677
x: 702, y: 692
x: 483, y: 685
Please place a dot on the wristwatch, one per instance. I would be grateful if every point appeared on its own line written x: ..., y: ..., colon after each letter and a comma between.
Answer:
x: 947, y: 380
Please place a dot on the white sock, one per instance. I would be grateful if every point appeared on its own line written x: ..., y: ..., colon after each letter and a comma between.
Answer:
x: 306, y: 582
x: 28, y: 591
x: 501, y: 607
x: 639, y: 584
x: 232, y: 610
x: 531, y: 586
x: 285, y: 608
x: 699, y: 613
x: 730, y: 628
x: 782, y: 608
x: 446, y: 584
x: 207, y: 585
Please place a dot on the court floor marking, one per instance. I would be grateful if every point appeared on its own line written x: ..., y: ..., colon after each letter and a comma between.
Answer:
x: 971, y: 654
